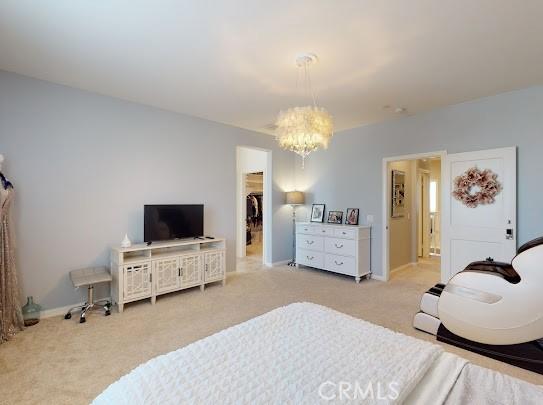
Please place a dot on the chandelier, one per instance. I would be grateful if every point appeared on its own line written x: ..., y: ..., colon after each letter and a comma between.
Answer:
x: 303, y: 130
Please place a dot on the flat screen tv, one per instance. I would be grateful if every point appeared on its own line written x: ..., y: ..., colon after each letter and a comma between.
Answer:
x: 168, y: 222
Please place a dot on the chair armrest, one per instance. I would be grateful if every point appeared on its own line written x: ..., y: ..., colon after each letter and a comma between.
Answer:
x: 504, y: 270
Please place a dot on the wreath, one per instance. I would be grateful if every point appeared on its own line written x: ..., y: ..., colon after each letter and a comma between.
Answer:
x: 476, y: 187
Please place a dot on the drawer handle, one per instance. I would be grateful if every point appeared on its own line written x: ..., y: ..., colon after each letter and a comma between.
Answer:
x: 310, y: 258
x: 324, y: 230
x: 338, y: 246
x: 309, y: 242
x: 338, y: 264
x: 344, y: 233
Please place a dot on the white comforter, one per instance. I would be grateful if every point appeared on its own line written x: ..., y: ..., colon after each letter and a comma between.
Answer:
x: 302, y: 353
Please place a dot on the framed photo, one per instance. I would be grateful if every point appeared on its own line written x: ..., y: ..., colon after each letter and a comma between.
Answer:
x: 335, y: 217
x: 351, y: 217
x: 398, y: 194
x: 317, y: 213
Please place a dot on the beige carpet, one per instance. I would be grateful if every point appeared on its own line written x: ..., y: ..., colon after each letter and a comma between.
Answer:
x: 64, y: 362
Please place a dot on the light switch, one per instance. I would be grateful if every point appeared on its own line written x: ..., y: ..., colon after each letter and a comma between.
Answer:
x: 369, y: 219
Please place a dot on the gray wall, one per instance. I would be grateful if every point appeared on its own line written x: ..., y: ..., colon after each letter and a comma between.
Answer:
x: 84, y: 165
x: 348, y: 174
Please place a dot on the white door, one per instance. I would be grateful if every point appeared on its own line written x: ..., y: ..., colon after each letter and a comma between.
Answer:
x: 214, y: 266
x: 471, y: 233
x: 137, y: 281
x: 167, y: 274
x: 190, y: 270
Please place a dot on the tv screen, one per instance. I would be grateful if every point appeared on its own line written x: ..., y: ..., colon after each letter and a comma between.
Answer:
x: 167, y: 222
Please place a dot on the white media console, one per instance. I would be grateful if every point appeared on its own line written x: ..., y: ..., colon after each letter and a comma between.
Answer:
x: 145, y: 271
x: 341, y: 249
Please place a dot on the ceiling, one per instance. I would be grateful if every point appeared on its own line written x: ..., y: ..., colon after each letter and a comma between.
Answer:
x: 233, y: 61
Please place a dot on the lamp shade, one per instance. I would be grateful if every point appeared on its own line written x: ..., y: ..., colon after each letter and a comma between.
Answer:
x: 294, y: 197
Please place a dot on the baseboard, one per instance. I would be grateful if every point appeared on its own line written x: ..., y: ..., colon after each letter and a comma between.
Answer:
x: 49, y: 313
x: 403, y: 266
x: 377, y: 277
x: 279, y: 263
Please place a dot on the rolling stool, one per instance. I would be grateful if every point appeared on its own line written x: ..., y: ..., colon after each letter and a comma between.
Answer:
x: 90, y: 277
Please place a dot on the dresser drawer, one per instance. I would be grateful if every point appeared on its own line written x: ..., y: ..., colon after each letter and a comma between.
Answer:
x: 346, y: 233
x: 304, y: 229
x: 322, y: 230
x: 340, y: 264
x: 340, y: 246
x: 310, y: 242
x: 310, y: 258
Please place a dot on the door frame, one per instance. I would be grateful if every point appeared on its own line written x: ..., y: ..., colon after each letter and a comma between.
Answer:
x: 267, y: 202
x: 385, y: 205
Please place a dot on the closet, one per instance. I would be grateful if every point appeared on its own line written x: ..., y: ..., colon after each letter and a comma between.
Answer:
x: 254, y: 214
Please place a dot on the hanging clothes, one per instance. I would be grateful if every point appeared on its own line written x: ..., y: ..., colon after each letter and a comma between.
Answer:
x: 11, y: 318
x: 254, y: 217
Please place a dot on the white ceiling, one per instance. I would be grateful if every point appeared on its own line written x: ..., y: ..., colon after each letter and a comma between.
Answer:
x: 232, y: 61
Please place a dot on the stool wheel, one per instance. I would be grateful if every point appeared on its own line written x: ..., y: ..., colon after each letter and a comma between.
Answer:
x: 108, y: 312
x: 82, y: 320
x: 68, y: 316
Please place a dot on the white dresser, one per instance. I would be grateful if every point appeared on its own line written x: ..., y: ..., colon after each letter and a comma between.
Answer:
x: 343, y: 249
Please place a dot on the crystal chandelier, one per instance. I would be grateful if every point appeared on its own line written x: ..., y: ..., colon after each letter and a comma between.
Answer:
x: 304, y: 129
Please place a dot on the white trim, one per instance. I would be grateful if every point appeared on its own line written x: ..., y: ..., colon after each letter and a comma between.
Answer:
x: 377, y: 277
x: 49, y: 313
x: 279, y: 263
x: 385, y: 242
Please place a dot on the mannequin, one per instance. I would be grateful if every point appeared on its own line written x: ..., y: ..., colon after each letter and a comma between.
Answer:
x: 11, y: 319
x: 6, y: 184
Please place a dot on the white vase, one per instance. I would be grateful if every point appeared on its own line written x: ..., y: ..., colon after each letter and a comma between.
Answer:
x: 126, y: 242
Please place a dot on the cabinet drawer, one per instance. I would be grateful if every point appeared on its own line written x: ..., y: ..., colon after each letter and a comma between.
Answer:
x: 340, y: 264
x: 339, y: 246
x: 346, y: 233
x: 310, y: 242
x: 322, y: 230
x: 304, y: 229
x: 310, y: 258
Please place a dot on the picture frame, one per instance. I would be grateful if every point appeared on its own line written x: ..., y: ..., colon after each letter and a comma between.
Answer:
x: 398, y: 194
x: 335, y: 217
x: 351, y: 216
x: 317, y: 213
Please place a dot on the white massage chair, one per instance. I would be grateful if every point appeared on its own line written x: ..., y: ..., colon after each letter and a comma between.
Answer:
x: 497, y: 303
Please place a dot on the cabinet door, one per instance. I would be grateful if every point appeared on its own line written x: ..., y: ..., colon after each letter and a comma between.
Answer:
x: 166, y: 274
x: 190, y: 270
x: 137, y: 281
x: 214, y: 266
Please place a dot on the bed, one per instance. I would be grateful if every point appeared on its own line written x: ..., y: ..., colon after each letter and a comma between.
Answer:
x: 305, y: 353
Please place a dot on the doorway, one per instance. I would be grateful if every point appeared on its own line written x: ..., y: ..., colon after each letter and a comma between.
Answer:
x: 428, y: 212
x: 254, y: 191
x: 253, y: 213
x: 412, y: 217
